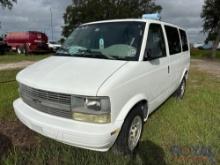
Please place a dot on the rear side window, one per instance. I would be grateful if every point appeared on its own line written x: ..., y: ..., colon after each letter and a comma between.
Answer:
x: 155, y: 47
x: 184, y: 40
x: 173, y: 40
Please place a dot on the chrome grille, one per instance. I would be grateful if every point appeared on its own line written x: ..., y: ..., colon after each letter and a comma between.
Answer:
x: 48, y: 102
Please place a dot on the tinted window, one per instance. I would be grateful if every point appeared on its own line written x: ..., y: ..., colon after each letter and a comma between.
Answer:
x: 155, y: 47
x: 184, y: 40
x: 173, y: 40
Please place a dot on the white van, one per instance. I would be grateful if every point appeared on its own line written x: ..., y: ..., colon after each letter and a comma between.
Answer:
x: 100, y: 87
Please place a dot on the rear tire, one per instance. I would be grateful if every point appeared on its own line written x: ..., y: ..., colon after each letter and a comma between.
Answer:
x: 180, y: 92
x: 19, y: 50
x: 131, y: 132
x: 22, y: 50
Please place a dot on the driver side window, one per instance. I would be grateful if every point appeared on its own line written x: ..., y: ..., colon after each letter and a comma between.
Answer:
x: 155, y: 47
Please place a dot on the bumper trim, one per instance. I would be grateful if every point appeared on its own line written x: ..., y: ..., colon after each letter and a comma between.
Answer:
x: 79, y: 134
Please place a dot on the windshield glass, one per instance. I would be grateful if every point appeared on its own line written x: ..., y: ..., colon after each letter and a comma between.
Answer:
x: 114, y: 40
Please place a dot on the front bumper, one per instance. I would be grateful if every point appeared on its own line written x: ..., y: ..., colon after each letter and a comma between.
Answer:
x: 79, y: 134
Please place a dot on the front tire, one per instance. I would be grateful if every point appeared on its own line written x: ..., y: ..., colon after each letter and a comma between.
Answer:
x: 19, y: 50
x: 22, y: 50
x: 131, y: 132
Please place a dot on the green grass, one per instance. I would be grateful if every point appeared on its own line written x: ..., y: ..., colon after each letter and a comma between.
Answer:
x: 13, y: 57
x: 8, y: 92
x: 196, y: 53
x: 177, y: 125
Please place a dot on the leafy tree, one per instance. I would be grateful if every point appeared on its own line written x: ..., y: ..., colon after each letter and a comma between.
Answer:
x: 7, y: 3
x: 82, y: 11
x: 211, y: 37
x: 211, y: 22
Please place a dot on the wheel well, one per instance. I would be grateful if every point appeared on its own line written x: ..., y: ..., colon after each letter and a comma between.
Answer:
x: 186, y: 74
x: 144, y: 107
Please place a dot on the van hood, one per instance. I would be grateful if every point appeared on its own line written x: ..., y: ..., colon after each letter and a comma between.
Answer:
x: 70, y: 75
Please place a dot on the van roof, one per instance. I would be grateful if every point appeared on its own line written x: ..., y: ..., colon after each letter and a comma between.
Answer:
x: 134, y: 20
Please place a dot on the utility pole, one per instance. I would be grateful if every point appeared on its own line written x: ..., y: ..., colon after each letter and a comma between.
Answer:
x: 51, y: 23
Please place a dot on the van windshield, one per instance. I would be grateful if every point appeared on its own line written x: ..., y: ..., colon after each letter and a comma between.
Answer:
x: 112, y: 40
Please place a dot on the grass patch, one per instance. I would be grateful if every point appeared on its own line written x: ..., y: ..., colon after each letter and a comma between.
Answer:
x: 179, y: 132
x: 8, y: 93
x: 197, y: 53
x: 13, y: 57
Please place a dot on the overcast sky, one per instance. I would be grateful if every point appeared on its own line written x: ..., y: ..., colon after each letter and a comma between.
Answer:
x: 35, y: 15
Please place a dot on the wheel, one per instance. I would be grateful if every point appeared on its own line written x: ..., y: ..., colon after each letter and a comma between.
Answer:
x: 181, y: 90
x: 22, y: 50
x: 19, y: 50
x: 131, y: 132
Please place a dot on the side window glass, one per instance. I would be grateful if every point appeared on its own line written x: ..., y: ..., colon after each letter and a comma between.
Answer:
x: 184, y: 40
x: 155, y: 47
x: 173, y: 40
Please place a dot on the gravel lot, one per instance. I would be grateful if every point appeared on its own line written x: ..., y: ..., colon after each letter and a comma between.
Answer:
x: 16, y: 65
x: 209, y: 66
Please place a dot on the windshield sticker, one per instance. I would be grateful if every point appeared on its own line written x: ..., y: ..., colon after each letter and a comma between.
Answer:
x: 101, y: 43
x: 132, y: 53
x: 97, y: 30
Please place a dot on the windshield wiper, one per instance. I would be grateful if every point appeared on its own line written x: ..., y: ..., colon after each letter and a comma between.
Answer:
x: 83, y: 53
x: 95, y: 54
x: 62, y: 51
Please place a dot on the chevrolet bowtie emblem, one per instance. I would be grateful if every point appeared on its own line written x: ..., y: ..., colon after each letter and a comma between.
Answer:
x: 36, y: 101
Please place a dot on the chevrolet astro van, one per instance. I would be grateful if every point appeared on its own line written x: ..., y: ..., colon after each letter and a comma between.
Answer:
x: 100, y: 87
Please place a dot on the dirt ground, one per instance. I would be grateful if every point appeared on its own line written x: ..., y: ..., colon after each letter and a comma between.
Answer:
x: 15, y: 134
x: 14, y: 128
x: 209, y: 66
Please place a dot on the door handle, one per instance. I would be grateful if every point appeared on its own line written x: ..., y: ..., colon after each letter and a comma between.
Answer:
x: 168, y: 69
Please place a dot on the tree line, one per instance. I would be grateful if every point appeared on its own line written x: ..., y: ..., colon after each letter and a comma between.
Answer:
x: 81, y: 11
x: 211, y: 22
x: 7, y: 3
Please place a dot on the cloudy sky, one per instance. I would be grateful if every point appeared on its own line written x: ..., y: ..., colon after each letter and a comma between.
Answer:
x: 35, y: 15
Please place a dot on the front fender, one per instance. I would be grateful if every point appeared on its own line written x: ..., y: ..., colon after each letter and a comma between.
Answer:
x: 184, y: 74
x: 129, y: 105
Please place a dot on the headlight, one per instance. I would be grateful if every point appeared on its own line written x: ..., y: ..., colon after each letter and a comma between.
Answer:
x: 91, y: 109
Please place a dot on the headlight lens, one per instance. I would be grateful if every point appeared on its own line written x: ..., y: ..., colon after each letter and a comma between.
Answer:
x: 100, y: 119
x: 91, y: 109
